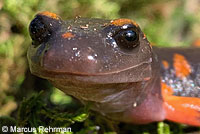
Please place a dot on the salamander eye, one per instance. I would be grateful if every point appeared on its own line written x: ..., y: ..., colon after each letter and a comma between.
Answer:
x: 38, y: 31
x: 127, y: 39
x: 130, y: 35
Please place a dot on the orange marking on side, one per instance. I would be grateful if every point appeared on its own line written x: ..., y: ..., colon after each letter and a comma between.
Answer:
x: 49, y: 14
x: 166, y: 90
x: 196, y: 43
x: 181, y: 109
x: 121, y: 22
x: 181, y: 66
x: 68, y: 35
x: 165, y: 64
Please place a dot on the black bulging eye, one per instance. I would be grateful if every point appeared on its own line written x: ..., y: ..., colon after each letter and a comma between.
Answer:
x: 127, y: 39
x: 39, y: 32
x: 130, y: 35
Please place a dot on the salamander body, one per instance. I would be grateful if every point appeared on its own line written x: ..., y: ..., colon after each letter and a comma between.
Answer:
x: 111, y: 65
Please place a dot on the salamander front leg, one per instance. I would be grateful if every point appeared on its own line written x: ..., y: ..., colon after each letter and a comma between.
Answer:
x: 184, y: 110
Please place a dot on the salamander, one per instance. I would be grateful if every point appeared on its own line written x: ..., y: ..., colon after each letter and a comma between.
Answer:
x: 111, y: 66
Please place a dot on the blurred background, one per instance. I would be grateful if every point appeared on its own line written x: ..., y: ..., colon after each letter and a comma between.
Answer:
x: 166, y: 23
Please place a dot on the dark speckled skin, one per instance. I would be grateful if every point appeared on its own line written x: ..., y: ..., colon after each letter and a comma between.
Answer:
x: 190, y: 85
x: 83, y: 58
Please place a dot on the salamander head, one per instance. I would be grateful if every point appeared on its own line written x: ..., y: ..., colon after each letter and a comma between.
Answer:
x: 90, y: 50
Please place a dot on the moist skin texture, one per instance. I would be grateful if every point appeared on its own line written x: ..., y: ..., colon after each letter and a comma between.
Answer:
x: 111, y: 66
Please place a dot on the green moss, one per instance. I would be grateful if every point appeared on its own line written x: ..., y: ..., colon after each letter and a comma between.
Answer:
x: 7, y: 121
x: 60, y: 98
x: 34, y: 113
x: 163, y: 128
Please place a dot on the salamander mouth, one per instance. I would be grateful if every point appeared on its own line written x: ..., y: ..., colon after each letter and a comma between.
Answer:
x: 98, y: 74
x: 135, y: 73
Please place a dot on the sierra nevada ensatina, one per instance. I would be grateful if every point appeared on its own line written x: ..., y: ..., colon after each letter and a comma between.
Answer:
x: 112, y: 66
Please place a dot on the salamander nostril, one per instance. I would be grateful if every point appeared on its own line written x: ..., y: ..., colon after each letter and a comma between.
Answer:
x: 39, y: 32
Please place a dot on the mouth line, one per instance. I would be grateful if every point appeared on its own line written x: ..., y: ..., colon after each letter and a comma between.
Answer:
x: 47, y: 71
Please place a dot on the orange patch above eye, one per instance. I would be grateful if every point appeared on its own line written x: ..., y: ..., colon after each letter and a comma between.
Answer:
x: 68, y: 35
x: 165, y: 64
x: 181, y: 66
x: 49, y: 14
x: 121, y: 22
